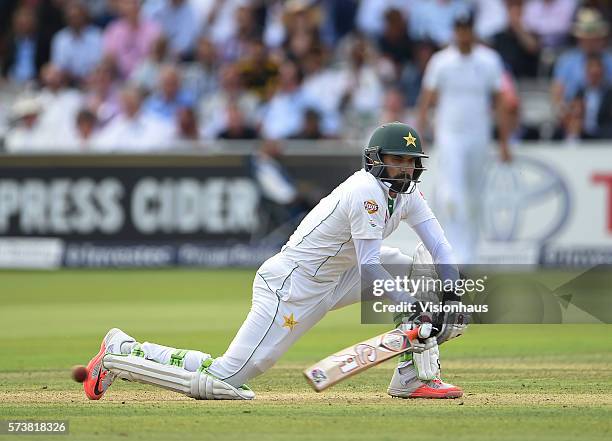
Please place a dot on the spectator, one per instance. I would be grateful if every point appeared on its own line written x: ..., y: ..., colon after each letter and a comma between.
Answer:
x: 102, y: 92
x: 187, y: 130
x: 237, y: 127
x: 134, y: 130
x: 7, y: 10
x: 303, y: 34
x: 571, y: 129
x: 231, y: 91
x: 274, y: 32
x: 99, y: 11
x: 280, y: 199
x: 60, y: 105
x: 550, y: 20
x: 179, y: 23
x: 282, y: 116
x: 77, y: 48
x: 146, y: 74
x: 299, y: 44
x: 83, y: 134
x: 236, y: 47
x: 339, y: 19
x: 363, y: 89
x: 370, y: 18
x: 433, y: 19
x: 591, y: 32
x: 597, y: 99
x: 129, y: 39
x: 412, y: 74
x: 394, y: 108
x: 394, y: 42
x: 26, y: 51
x: 201, y: 78
x: 221, y: 24
x: 602, y: 6
x: 604, y: 117
x: 303, y: 16
x: 25, y: 136
x: 491, y: 18
x: 258, y: 71
x: 311, y: 127
x: 323, y: 90
x: 170, y: 96
x: 518, y: 47
x: 50, y: 14
x: 294, y: 25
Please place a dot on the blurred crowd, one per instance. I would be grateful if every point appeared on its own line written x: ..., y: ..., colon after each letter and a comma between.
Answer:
x: 132, y: 75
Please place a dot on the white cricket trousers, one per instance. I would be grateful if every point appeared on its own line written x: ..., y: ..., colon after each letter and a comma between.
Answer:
x: 273, y: 324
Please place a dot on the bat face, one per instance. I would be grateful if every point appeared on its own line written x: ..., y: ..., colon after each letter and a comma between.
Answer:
x: 357, y: 358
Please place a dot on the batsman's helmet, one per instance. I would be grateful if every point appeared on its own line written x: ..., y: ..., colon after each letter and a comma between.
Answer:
x: 394, y: 139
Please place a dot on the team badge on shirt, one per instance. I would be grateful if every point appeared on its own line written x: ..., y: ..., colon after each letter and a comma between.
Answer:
x: 370, y: 206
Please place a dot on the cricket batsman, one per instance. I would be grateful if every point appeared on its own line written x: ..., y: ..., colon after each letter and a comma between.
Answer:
x: 336, y: 246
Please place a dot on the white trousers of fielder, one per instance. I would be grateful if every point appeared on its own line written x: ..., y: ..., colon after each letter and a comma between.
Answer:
x: 462, y: 162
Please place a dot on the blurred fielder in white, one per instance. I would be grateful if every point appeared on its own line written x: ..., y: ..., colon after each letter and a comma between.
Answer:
x: 461, y: 81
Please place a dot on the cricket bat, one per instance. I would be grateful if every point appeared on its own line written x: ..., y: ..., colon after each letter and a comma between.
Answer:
x: 362, y: 356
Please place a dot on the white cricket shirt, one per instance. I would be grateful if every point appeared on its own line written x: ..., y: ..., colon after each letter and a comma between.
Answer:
x: 322, y: 248
x: 464, y: 84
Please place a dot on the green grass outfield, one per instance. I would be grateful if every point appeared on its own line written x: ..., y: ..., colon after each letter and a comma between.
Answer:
x: 527, y: 382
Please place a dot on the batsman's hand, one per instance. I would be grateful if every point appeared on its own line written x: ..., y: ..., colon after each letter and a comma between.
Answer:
x: 450, y: 324
x: 425, y: 337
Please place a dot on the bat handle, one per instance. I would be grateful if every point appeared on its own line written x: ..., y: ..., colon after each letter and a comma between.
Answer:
x: 422, y: 331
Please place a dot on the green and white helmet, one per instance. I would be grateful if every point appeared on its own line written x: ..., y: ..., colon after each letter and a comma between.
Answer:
x: 396, y: 139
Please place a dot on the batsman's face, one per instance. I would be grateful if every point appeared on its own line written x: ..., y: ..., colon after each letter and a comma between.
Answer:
x: 399, y: 166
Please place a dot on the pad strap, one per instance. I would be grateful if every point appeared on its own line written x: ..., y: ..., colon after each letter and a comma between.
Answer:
x: 137, y: 351
x: 177, y: 358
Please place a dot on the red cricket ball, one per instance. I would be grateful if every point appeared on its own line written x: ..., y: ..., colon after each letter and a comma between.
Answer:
x: 79, y: 373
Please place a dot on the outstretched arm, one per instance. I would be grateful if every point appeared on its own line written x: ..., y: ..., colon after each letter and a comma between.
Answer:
x: 434, y: 239
x: 371, y: 269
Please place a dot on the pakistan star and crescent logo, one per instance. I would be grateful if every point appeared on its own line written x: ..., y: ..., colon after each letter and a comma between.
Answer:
x: 410, y: 140
x: 290, y: 322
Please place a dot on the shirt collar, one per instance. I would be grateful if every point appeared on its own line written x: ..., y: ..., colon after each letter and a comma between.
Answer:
x: 386, y: 187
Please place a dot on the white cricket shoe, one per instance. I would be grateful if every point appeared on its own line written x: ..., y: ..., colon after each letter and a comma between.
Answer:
x: 98, y: 378
x: 405, y: 384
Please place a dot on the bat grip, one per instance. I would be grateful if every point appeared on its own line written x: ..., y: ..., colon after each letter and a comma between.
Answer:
x: 413, y: 334
x: 422, y: 331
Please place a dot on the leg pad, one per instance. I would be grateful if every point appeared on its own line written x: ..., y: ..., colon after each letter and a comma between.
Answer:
x: 199, y: 385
